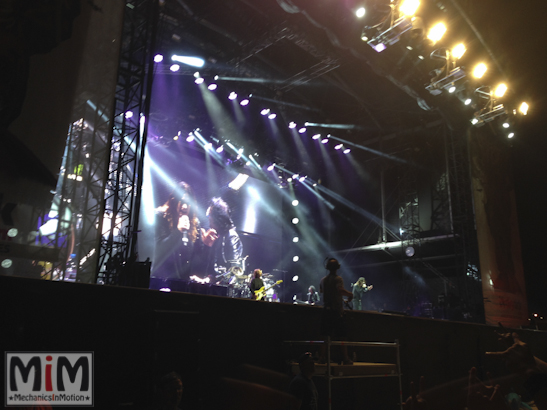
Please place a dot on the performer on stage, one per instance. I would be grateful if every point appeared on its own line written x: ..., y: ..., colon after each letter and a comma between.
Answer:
x: 257, y: 283
x: 313, y: 296
x: 226, y: 246
x: 177, y: 234
x: 359, y: 289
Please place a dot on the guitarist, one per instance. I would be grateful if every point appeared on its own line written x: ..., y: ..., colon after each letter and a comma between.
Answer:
x: 257, y: 283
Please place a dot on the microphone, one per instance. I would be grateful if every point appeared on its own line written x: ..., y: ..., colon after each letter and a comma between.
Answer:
x: 186, y: 221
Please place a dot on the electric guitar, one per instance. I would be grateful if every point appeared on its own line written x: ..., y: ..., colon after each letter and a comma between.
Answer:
x: 260, y: 293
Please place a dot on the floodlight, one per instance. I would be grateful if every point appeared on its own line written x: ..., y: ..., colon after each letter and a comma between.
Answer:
x: 479, y: 70
x: 500, y: 90
x: 523, y: 109
x: 409, y: 7
x: 447, y: 82
x: 458, y: 51
x: 436, y: 32
x: 191, y: 61
x: 391, y: 35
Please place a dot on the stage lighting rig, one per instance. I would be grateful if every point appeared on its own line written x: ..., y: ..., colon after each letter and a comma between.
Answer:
x: 447, y: 76
x: 390, y: 36
x: 490, y: 111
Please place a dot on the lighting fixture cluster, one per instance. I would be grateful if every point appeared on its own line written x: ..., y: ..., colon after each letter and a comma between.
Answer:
x: 449, y: 78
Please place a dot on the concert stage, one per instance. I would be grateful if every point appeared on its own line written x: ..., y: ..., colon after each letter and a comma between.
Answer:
x: 139, y: 334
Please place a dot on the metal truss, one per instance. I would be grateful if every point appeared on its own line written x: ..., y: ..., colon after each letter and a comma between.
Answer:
x: 119, y: 214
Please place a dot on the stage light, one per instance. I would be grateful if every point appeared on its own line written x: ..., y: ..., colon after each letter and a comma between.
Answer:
x: 324, y: 140
x: 409, y: 251
x: 196, y: 74
x: 176, y: 138
x: 500, y: 90
x: 13, y: 232
x: 505, y: 125
x: 215, y: 78
x: 295, y: 176
x: 479, y: 70
x: 295, y: 202
x: 301, y: 179
x: 129, y: 114
x: 292, y: 125
x: 289, y: 179
x: 190, y: 138
x: 244, y: 102
x: 360, y: 12
x: 272, y: 116
x: 339, y: 146
x: 295, y: 278
x: 451, y: 73
x: 212, y: 87
x: 436, y: 32
x: 271, y: 167
x: 458, y: 51
x: 316, y: 137
x: 208, y: 145
x: 295, y: 221
x: 468, y: 101
x: 238, y: 182
x: 390, y: 36
x: 165, y: 290
x: 523, y: 109
x: 347, y: 151
x: 220, y: 149
x: 302, y: 130
x: 295, y: 239
x: 191, y: 61
x: 199, y: 80
x: 474, y: 121
x: 158, y: 58
x: 511, y: 135
x: 232, y: 96
x: 295, y: 259
x: 409, y: 7
x: 451, y: 89
x: 482, y: 118
x: 174, y: 68
x: 265, y: 111
x: 6, y: 263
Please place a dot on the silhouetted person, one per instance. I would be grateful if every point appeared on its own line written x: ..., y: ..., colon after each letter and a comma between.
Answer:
x: 302, y: 385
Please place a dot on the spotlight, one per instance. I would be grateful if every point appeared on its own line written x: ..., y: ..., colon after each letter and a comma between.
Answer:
x: 292, y: 125
x: 174, y: 68
x: 316, y: 137
x: 295, y: 239
x: 295, y: 259
x: 436, y: 32
x: 347, y: 151
x: 244, y: 102
x: 390, y: 36
x: 506, y: 125
x: 196, y: 74
x: 220, y: 149
x: 129, y: 114
x: 523, y: 109
x: 295, y: 221
x: 158, y: 58
x: 265, y: 111
x: 409, y: 7
x: 452, y: 88
x: 271, y: 167
x: 190, y: 138
x: 339, y: 146
x: 324, y: 140
x: 191, y: 61
x: 511, y: 135
x: 208, y: 145
x: 302, y: 130
x: 467, y: 101
x: 232, y: 96
x: 212, y: 87
x: 301, y: 179
x: 482, y: 118
x: 458, y: 51
x: 500, y: 90
x: 199, y: 80
x: 479, y: 70
x: 360, y: 12
x: 295, y: 176
x: 295, y: 278
x: 272, y: 116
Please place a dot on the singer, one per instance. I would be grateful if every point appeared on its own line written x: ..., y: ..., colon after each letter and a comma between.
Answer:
x: 178, y: 236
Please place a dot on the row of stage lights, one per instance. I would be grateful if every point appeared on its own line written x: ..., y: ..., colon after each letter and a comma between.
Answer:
x: 449, y: 77
x: 232, y: 96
